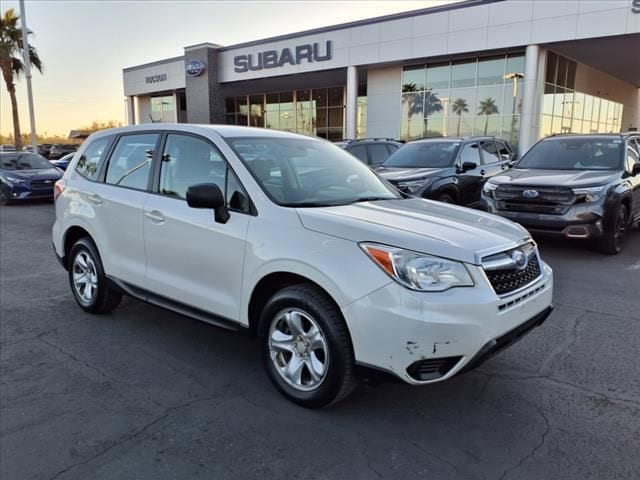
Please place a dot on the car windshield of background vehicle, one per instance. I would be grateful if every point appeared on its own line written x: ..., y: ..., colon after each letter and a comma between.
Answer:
x: 24, y: 161
x: 577, y: 153
x: 309, y: 173
x: 424, y: 155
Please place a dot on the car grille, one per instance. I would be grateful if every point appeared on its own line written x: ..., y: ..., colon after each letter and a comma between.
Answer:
x: 42, y: 185
x: 552, y: 200
x: 507, y: 280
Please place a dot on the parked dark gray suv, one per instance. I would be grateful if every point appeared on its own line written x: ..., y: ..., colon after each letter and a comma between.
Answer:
x: 576, y: 186
x: 371, y: 151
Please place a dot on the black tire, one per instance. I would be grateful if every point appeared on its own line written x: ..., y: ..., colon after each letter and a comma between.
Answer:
x: 340, y: 376
x: 615, y: 232
x: 4, y: 197
x: 445, y: 198
x: 104, y: 298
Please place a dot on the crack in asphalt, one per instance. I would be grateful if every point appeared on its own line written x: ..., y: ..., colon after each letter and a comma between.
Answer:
x: 597, y: 312
x: 563, y: 347
x: 439, y: 458
x: 627, y: 402
x: 538, y: 446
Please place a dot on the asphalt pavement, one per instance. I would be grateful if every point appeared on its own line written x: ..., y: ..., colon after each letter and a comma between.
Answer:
x: 148, y: 394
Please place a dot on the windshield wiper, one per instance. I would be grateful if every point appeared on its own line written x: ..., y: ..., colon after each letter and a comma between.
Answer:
x: 372, y: 199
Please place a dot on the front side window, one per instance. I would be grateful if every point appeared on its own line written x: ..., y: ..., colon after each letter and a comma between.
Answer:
x: 575, y: 153
x: 378, y: 153
x: 24, y: 161
x: 309, y: 173
x: 471, y: 154
x: 91, y: 160
x: 424, y: 155
x: 360, y: 152
x: 632, y: 157
x: 130, y: 162
x: 188, y: 161
x: 489, y: 153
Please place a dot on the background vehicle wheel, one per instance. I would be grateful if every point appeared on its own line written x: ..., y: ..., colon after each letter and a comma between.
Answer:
x: 4, y: 197
x: 614, y: 235
x: 306, y: 348
x: 445, y: 198
x: 87, y: 279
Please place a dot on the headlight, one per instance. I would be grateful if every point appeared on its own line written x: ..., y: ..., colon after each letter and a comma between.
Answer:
x: 591, y: 194
x: 418, y: 271
x: 412, y: 186
x: 15, y: 180
x: 489, y: 188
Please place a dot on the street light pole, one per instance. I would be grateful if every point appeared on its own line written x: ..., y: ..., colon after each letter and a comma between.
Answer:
x: 27, y: 67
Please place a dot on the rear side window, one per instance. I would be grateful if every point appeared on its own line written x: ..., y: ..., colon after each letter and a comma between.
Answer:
x: 360, y: 152
x: 130, y: 162
x: 379, y: 153
x: 91, y: 160
x: 505, y: 152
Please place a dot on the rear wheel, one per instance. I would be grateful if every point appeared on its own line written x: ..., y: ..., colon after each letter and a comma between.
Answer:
x: 87, y: 279
x: 306, y: 348
x: 615, y: 234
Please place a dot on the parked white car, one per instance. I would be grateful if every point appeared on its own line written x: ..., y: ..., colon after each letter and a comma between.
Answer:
x: 294, y: 240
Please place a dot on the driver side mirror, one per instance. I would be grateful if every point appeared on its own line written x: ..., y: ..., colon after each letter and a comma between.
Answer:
x: 636, y: 169
x: 467, y: 166
x: 209, y: 195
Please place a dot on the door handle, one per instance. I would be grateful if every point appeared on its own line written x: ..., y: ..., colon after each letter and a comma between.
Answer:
x: 95, y: 199
x: 482, y: 172
x: 155, y: 216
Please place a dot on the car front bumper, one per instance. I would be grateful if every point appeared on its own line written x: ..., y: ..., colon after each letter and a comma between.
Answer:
x: 428, y: 337
x: 23, y: 192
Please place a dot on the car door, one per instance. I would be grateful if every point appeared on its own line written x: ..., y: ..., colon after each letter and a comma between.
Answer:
x: 119, y: 201
x: 633, y: 158
x: 492, y: 161
x: 470, y: 181
x: 191, y: 259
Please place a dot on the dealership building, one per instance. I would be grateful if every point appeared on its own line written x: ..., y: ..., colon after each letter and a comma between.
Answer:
x: 519, y: 69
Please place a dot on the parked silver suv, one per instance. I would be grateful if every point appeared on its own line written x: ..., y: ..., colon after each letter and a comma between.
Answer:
x: 293, y: 239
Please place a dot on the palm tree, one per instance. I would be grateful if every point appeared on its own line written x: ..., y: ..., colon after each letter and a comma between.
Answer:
x: 458, y: 107
x: 415, y: 103
x: 487, y: 107
x: 432, y: 104
x: 11, y: 57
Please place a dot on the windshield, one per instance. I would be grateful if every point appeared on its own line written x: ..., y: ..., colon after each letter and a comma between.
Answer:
x: 576, y: 153
x: 23, y: 161
x: 423, y: 155
x: 301, y: 172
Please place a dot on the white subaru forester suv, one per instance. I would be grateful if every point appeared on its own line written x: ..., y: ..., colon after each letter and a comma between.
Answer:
x: 294, y: 240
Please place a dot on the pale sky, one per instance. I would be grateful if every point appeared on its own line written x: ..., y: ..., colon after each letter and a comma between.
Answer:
x: 85, y: 45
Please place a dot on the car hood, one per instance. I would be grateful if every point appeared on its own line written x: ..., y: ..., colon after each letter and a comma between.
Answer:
x: 553, y: 178
x: 416, y: 224
x: 406, y: 174
x: 35, y: 174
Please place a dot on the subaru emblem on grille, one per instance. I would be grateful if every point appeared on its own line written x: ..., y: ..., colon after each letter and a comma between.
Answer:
x: 530, y: 193
x: 519, y: 258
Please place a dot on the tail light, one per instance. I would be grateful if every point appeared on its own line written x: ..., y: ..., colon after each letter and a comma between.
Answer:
x: 58, y: 188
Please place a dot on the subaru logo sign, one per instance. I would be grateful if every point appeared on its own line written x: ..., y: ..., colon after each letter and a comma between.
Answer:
x: 519, y: 259
x: 530, y: 193
x: 195, y: 67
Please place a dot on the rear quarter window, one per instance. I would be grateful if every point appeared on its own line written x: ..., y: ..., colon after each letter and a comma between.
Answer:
x: 91, y: 160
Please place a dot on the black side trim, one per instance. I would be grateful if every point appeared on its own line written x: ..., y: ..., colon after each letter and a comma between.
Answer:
x: 496, y: 345
x: 177, y: 307
x: 61, y: 260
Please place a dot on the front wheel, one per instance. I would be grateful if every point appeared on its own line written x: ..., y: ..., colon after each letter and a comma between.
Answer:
x: 88, y: 281
x: 5, y: 198
x: 306, y: 348
x: 445, y: 198
x: 614, y: 236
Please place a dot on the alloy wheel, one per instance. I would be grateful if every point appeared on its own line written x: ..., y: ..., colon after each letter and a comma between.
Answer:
x: 298, y: 349
x: 85, y: 278
x: 620, y: 229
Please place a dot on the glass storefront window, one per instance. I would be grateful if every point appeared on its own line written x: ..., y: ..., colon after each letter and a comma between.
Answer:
x: 438, y: 77
x: 489, y: 100
x: 256, y: 110
x: 491, y: 71
x: 163, y: 109
x: 413, y: 79
x: 320, y: 97
x: 513, y: 98
x: 515, y: 64
x: 463, y: 74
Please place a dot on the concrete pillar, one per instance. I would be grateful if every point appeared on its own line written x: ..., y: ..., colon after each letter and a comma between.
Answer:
x: 205, y: 101
x: 531, y: 98
x: 131, y: 111
x: 351, y: 116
